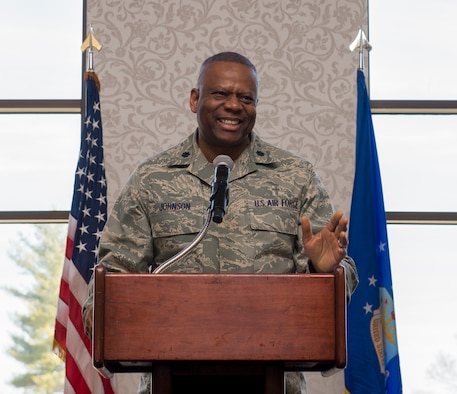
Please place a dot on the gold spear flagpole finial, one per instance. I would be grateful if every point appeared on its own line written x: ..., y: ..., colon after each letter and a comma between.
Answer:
x: 360, y: 43
x: 90, y: 43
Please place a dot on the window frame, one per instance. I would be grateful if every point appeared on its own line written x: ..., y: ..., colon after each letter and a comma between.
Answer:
x: 416, y: 107
x: 38, y: 106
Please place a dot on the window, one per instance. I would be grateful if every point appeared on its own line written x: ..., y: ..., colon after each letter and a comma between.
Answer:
x: 412, y: 50
x: 413, y: 88
x: 50, y: 33
x: 40, y: 120
x: 40, y: 101
x: 417, y: 170
x: 38, y: 175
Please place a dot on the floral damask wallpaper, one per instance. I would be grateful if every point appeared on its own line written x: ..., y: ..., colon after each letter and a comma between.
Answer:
x: 151, y: 54
x: 152, y: 50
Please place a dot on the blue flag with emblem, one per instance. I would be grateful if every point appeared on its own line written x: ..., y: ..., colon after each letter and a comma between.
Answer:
x: 373, y: 362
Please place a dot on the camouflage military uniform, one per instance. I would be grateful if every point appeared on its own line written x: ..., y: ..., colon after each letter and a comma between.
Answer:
x: 164, y: 203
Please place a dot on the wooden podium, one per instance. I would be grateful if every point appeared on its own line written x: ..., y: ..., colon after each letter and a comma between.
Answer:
x: 245, y: 326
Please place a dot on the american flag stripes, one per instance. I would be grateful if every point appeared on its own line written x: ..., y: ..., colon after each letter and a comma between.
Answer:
x: 87, y: 218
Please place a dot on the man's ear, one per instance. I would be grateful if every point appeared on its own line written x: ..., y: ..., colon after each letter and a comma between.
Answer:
x: 194, y: 94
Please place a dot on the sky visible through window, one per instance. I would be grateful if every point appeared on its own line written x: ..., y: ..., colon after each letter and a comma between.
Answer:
x: 413, y: 58
x: 41, y: 59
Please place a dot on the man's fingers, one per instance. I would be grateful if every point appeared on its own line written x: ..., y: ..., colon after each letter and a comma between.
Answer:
x: 342, y: 240
x: 335, y: 221
x: 306, y: 229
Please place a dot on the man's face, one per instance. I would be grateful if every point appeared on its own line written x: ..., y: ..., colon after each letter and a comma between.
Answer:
x: 225, y: 104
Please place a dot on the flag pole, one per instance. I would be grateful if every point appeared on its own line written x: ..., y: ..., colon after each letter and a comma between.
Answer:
x: 373, y: 364
x: 86, y: 221
x: 89, y: 44
x: 361, y: 43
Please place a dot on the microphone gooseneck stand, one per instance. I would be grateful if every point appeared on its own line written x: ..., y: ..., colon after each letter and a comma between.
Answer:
x: 161, y: 267
x: 216, y: 210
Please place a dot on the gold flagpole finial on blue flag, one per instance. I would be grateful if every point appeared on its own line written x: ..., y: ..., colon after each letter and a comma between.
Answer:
x: 360, y: 43
x: 90, y: 43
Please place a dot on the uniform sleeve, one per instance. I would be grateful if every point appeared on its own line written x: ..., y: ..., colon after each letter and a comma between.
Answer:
x: 316, y: 205
x: 352, y: 278
x: 126, y: 244
x: 319, y: 209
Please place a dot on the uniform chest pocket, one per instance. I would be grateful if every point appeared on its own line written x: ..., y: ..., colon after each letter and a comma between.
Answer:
x: 284, y: 221
x: 174, y: 223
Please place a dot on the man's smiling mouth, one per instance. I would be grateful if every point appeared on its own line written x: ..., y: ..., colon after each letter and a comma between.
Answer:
x: 231, y: 122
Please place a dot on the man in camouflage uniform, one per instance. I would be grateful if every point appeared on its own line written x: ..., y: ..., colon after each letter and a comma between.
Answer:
x: 274, y: 198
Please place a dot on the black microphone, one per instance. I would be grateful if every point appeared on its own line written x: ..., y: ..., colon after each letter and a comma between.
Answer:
x: 220, y: 188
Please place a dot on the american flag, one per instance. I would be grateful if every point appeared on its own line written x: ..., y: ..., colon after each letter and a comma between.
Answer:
x: 87, y: 218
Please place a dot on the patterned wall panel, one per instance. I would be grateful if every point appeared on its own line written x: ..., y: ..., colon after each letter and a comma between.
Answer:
x: 149, y: 62
x: 152, y: 50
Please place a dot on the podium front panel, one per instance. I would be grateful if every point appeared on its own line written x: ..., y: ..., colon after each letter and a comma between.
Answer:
x: 147, y: 318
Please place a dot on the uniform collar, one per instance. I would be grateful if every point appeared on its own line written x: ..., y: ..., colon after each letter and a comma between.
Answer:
x: 188, y: 154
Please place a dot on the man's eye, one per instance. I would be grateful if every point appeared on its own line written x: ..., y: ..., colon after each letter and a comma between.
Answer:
x: 246, y: 99
x: 221, y: 95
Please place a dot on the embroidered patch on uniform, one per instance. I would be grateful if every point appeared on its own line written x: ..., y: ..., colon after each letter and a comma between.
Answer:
x: 174, y: 206
x: 275, y: 202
